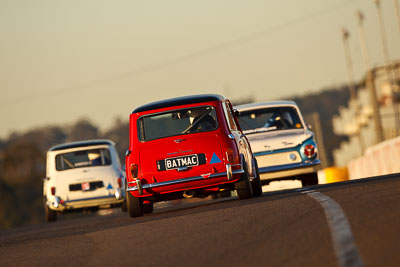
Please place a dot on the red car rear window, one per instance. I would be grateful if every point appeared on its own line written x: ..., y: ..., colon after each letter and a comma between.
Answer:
x: 177, y: 122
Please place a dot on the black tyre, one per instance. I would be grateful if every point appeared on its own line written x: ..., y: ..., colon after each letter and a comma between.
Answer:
x: 51, y: 215
x: 135, y: 205
x: 148, y: 208
x: 309, y: 179
x: 256, y: 185
x: 243, y: 186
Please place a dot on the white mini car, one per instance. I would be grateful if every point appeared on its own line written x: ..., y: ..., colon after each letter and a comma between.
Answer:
x: 85, y: 174
x: 282, y: 143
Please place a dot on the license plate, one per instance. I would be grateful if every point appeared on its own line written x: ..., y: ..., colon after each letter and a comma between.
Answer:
x: 85, y: 186
x: 181, y: 162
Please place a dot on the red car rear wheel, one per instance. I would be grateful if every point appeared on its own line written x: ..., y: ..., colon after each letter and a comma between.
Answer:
x: 135, y: 205
x: 243, y: 186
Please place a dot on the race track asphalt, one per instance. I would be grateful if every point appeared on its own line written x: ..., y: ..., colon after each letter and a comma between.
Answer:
x: 295, y: 227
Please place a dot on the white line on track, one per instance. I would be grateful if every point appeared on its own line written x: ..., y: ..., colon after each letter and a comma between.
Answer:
x: 343, y: 241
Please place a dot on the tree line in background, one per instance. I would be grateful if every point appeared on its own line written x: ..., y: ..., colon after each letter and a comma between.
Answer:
x: 23, y: 155
x: 23, y: 166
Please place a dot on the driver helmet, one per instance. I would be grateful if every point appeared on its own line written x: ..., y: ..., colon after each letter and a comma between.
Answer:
x: 93, y: 155
x: 195, y: 113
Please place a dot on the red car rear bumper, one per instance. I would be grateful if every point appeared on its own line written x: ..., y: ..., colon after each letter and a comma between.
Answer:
x: 201, y: 181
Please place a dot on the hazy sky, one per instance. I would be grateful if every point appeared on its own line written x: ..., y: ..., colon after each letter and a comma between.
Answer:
x: 61, y: 60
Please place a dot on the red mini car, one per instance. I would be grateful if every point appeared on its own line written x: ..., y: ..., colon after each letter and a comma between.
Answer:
x: 189, y: 146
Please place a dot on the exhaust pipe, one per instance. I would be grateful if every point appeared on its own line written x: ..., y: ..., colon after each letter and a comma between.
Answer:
x: 189, y: 194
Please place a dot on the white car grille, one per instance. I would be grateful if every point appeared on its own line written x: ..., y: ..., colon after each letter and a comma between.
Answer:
x: 278, y: 159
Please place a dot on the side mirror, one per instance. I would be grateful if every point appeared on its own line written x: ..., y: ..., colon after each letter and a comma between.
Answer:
x: 236, y: 113
x: 309, y: 126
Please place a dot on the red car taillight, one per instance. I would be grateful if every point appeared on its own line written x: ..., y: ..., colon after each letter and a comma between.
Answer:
x: 230, y: 155
x: 134, y: 170
x: 309, y: 151
x: 53, y: 191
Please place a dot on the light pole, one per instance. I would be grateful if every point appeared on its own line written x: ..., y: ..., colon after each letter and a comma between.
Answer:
x: 370, y: 81
x: 320, y: 140
x: 388, y: 64
x: 382, y: 31
x: 353, y: 95
x: 346, y: 35
x: 363, y: 41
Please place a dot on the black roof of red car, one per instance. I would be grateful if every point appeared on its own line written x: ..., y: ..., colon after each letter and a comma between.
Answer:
x: 81, y: 144
x: 184, y: 100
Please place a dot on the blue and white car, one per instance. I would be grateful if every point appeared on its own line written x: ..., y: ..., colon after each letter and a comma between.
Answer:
x: 282, y: 143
